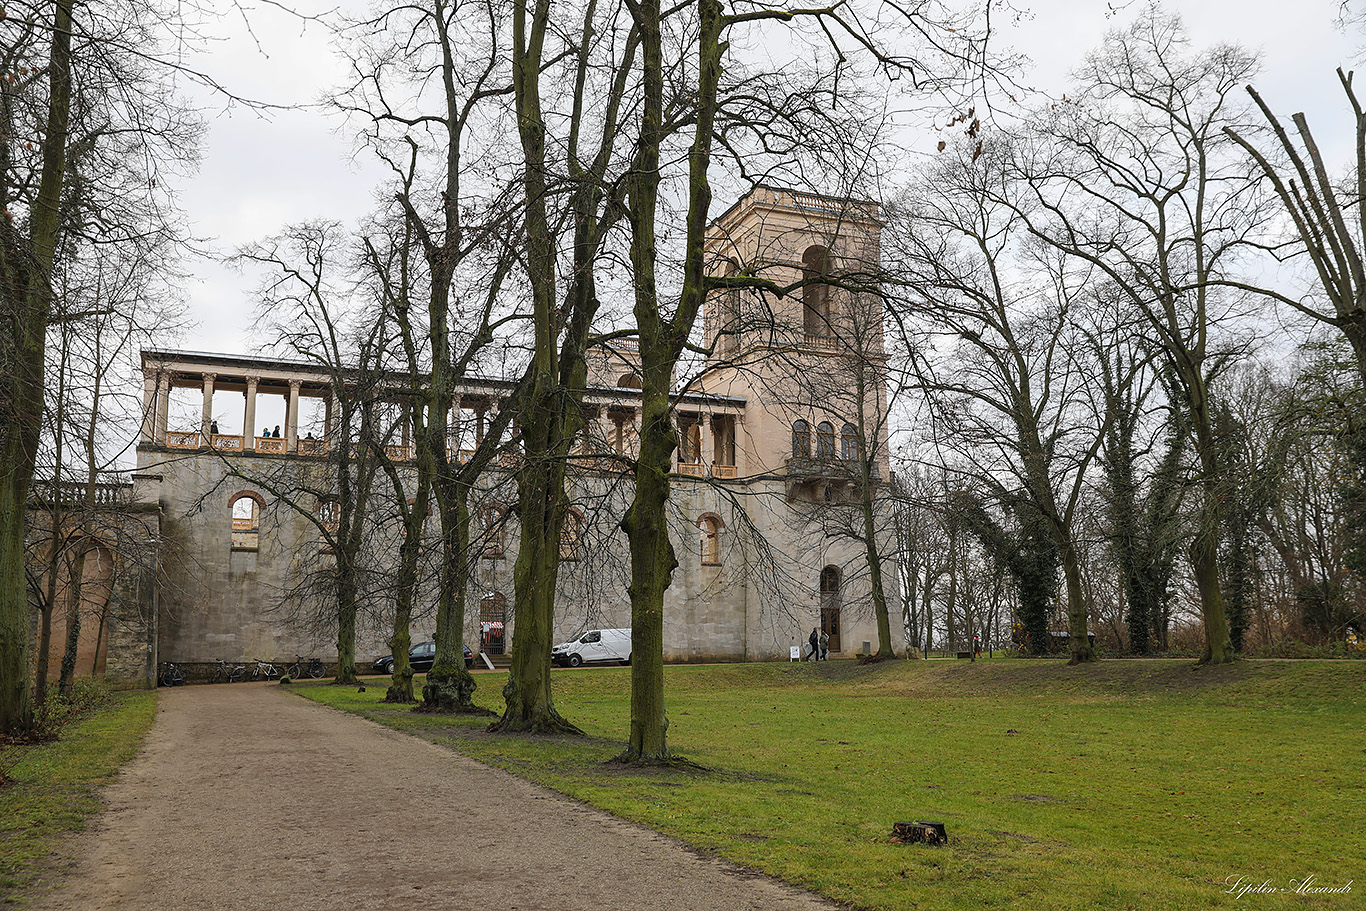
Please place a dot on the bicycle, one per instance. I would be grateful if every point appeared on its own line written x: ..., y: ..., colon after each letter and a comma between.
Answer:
x: 171, y: 675
x: 232, y: 673
x: 311, y: 667
x: 265, y: 669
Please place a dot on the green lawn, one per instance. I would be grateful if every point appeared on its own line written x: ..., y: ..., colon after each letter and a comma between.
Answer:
x: 56, y: 785
x: 1129, y: 784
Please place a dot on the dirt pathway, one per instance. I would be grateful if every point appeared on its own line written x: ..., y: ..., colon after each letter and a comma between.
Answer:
x: 246, y: 797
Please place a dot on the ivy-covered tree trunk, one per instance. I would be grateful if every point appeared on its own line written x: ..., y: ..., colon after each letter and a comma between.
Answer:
x: 1079, y: 639
x: 410, y: 550
x: 1204, y: 548
x: 26, y: 298
x: 75, y: 583
x: 450, y: 686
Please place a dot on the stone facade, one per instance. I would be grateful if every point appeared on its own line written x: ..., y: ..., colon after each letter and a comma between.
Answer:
x: 757, y: 503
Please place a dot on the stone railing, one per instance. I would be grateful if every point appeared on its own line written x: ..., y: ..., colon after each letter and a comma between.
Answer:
x: 182, y: 439
x: 313, y: 447
x: 226, y: 442
x: 271, y: 444
x: 74, y: 493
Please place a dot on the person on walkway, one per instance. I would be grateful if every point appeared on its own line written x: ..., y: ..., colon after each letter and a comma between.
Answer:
x: 825, y: 646
x: 213, y: 428
x: 815, y: 640
x: 276, y: 432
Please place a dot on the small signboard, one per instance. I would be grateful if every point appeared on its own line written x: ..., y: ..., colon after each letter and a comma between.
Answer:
x: 794, y: 653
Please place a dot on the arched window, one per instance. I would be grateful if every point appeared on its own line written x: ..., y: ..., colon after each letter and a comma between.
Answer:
x: 849, y: 443
x: 246, y: 507
x: 825, y: 440
x: 816, y: 297
x: 570, y: 533
x: 329, y: 512
x: 709, y: 527
x: 801, y: 440
x: 629, y: 381
x: 728, y: 322
x: 830, y: 580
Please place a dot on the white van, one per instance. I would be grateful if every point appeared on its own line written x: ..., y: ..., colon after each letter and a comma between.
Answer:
x: 596, y: 645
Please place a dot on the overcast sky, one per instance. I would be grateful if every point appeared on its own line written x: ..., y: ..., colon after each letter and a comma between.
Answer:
x: 260, y: 173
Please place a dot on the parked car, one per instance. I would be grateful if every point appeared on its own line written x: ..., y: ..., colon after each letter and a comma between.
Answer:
x: 421, y: 656
x: 596, y: 646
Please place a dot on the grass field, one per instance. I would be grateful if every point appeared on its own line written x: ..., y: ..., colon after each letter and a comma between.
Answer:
x: 56, y: 785
x: 1129, y: 784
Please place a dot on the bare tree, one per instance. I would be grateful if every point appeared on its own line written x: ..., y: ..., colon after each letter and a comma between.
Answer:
x: 1142, y: 185
x: 89, y: 92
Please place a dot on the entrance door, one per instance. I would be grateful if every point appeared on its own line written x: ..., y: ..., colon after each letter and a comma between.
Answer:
x: 493, y: 611
x: 830, y: 606
x: 830, y: 625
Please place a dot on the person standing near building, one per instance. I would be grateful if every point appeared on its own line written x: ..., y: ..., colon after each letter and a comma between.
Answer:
x: 825, y: 646
x: 815, y: 641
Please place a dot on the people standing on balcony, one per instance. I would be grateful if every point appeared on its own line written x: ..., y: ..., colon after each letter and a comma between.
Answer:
x: 276, y: 432
x: 213, y: 428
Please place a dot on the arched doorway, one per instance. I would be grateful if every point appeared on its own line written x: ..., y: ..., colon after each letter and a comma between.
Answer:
x: 493, y: 613
x: 830, y: 605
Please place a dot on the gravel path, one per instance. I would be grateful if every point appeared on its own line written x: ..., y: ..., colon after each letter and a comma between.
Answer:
x: 246, y: 797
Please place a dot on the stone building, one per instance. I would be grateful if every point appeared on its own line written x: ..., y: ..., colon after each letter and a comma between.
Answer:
x: 773, y: 428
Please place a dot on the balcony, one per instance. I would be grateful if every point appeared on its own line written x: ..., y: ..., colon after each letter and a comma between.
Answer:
x: 226, y: 442
x: 179, y: 439
x: 801, y: 468
x: 271, y: 444
x: 313, y: 447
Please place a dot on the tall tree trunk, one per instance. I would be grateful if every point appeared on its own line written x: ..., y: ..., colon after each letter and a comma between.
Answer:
x: 1079, y: 640
x: 25, y: 293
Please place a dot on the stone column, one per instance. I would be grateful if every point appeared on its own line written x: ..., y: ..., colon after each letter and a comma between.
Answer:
x: 249, y: 416
x: 163, y: 406
x: 330, y: 411
x: 292, y: 417
x: 704, y: 440
x: 149, y: 407
x: 208, y: 410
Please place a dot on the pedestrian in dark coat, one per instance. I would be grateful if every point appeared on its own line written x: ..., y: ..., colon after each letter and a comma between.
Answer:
x: 815, y: 641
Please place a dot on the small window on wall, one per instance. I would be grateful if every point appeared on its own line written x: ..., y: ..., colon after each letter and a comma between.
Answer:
x: 801, y: 440
x: 570, y: 534
x: 709, y: 527
x: 245, y: 508
x: 491, y: 522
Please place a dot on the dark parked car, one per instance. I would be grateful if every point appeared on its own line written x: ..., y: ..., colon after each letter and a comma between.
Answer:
x: 422, y: 656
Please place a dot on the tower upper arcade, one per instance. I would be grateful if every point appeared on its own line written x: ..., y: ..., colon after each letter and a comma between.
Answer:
x: 792, y: 240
